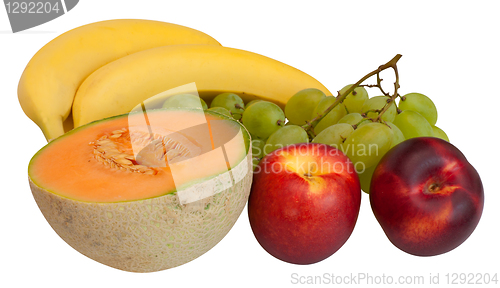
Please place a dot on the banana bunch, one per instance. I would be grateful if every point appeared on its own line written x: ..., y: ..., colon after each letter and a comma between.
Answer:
x: 49, y: 82
x: 107, y: 68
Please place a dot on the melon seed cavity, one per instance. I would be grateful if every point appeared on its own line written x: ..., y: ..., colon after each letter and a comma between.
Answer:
x: 155, y: 150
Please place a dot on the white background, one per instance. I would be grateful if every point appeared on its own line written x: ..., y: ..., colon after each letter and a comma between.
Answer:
x: 450, y: 53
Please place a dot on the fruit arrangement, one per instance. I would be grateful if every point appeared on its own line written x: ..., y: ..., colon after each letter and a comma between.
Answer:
x: 303, y: 205
x: 158, y: 136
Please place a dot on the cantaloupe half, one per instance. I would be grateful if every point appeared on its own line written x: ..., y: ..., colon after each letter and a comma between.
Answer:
x: 145, y: 191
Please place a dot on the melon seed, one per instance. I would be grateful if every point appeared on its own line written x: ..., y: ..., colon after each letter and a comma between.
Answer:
x: 113, y: 150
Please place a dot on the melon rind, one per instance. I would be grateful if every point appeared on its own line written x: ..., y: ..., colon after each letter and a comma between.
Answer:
x: 152, y: 234
x: 147, y: 235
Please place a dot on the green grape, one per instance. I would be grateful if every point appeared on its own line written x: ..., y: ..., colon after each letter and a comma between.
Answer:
x: 231, y: 102
x: 255, y: 162
x: 204, y: 104
x: 377, y: 103
x: 258, y: 147
x: 420, y: 103
x: 334, y: 135
x: 300, y: 107
x: 351, y: 118
x: 354, y: 100
x: 263, y: 118
x: 398, y: 135
x: 366, y: 121
x: 367, y: 144
x: 184, y: 101
x: 221, y: 110
x: 253, y: 102
x: 287, y: 135
x: 365, y: 178
x: 332, y: 117
x: 439, y: 133
x: 412, y: 124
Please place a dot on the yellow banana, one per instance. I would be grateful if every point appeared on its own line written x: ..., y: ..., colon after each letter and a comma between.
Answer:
x: 48, y: 84
x: 119, y: 86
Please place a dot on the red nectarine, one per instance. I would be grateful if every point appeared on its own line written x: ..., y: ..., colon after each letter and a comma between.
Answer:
x: 426, y: 196
x: 304, y: 202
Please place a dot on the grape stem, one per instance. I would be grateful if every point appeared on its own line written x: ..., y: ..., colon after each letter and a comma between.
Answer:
x: 359, y: 123
x: 394, y: 95
x: 340, y: 98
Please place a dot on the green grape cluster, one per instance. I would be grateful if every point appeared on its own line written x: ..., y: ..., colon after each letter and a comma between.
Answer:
x: 351, y: 126
x: 354, y: 125
x: 366, y: 142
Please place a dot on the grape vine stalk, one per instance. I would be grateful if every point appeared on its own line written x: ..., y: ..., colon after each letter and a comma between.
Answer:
x: 340, y: 97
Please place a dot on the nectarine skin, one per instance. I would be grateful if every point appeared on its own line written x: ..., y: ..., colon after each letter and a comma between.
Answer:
x: 426, y: 196
x: 299, y: 215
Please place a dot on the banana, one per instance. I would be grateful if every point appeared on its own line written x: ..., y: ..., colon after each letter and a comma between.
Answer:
x: 119, y: 86
x: 50, y: 80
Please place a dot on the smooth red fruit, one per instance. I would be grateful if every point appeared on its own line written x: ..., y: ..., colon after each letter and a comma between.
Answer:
x: 304, y: 202
x: 426, y: 196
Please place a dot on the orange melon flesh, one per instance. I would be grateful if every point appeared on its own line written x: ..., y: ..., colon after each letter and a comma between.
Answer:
x: 68, y: 167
